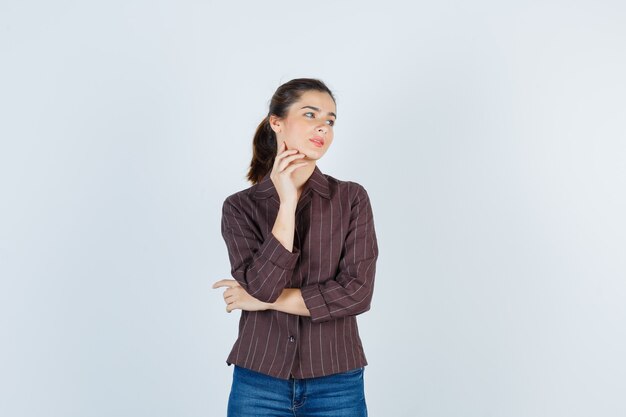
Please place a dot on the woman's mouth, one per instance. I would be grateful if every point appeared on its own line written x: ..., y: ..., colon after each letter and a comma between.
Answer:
x: 317, y: 141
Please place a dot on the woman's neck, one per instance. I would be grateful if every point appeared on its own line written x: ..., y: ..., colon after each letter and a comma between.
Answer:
x: 302, y: 174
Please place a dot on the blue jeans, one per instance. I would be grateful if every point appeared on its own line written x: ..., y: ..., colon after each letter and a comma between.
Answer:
x: 255, y: 394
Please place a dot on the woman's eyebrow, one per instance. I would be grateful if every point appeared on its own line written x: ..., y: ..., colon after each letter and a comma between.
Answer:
x: 317, y: 110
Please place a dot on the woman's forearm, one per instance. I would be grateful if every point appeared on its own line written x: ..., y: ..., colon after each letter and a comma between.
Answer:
x: 285, y: 224
x: 291, y: 301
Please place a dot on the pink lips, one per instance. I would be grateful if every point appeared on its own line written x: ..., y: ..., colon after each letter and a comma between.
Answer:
x: 317, y: 141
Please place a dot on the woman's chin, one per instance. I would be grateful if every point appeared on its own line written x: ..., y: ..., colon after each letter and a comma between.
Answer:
x: 313, y: 155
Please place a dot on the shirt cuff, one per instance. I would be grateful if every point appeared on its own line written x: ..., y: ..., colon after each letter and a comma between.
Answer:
x: 315, y: 303
x: 277, y: 254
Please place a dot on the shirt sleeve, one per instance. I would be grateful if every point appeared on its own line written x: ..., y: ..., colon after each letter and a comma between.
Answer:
x: 350, y: 292
x: 262, y: 266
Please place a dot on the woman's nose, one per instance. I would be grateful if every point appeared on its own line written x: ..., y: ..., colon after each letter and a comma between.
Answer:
x: 322, y: 129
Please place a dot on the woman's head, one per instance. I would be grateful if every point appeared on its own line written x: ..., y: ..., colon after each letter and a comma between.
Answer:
x: 302, y: 114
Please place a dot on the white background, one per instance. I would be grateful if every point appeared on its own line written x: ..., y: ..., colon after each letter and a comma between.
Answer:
x: 491, y: 139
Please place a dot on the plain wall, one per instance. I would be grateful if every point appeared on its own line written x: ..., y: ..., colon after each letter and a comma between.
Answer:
x: 490, y: 137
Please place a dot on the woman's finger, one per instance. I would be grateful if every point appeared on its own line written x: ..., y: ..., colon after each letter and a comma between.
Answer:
x: 283, y: 155
x: 230, y: 298
x: 286, y: 161
x: 231, y: 291
x: 283, y: 149
x: 231, y: 283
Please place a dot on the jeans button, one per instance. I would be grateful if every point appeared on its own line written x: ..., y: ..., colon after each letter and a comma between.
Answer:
x: 292, y: 339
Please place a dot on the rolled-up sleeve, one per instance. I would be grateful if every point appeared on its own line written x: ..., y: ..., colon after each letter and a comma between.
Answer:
x: 350, y: 292
x: 262, y: 266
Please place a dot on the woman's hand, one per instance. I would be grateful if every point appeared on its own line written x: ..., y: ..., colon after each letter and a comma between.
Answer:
x: 281, y: 173
x: 236, y: 297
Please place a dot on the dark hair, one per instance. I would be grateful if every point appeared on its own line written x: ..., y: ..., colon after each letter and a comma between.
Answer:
x: 264, y: 142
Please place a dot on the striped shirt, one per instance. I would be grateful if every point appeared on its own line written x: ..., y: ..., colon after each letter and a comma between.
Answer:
x: 333, y: 262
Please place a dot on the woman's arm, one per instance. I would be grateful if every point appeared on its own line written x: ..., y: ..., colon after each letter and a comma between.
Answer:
x: 284, y: 166
x: 349, y: 293
x: 285, y: 224
x: 290, y: 300
x: 263, y: 267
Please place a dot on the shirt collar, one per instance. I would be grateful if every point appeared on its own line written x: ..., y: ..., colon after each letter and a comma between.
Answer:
x: 317, y: 182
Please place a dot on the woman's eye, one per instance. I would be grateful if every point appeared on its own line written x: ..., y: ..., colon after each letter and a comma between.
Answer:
x: 310, y: 114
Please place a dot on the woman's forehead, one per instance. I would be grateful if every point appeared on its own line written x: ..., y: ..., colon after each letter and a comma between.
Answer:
x: 318, y: 100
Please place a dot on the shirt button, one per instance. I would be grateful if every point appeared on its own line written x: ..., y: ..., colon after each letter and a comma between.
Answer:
x: 292, y: 339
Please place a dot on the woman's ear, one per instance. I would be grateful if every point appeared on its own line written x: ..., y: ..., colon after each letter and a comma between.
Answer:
x: 276, y: 123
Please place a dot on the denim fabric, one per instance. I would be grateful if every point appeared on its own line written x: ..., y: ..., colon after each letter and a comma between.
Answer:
x: 254, y: 394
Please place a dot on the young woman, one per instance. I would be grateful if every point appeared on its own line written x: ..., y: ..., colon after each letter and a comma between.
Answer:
x: 303, y: 251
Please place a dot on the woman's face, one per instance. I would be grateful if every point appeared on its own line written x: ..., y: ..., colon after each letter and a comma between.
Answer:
x: 308, y: 125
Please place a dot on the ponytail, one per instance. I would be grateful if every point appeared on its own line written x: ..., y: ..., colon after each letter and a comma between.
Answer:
x: 263, y: 152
